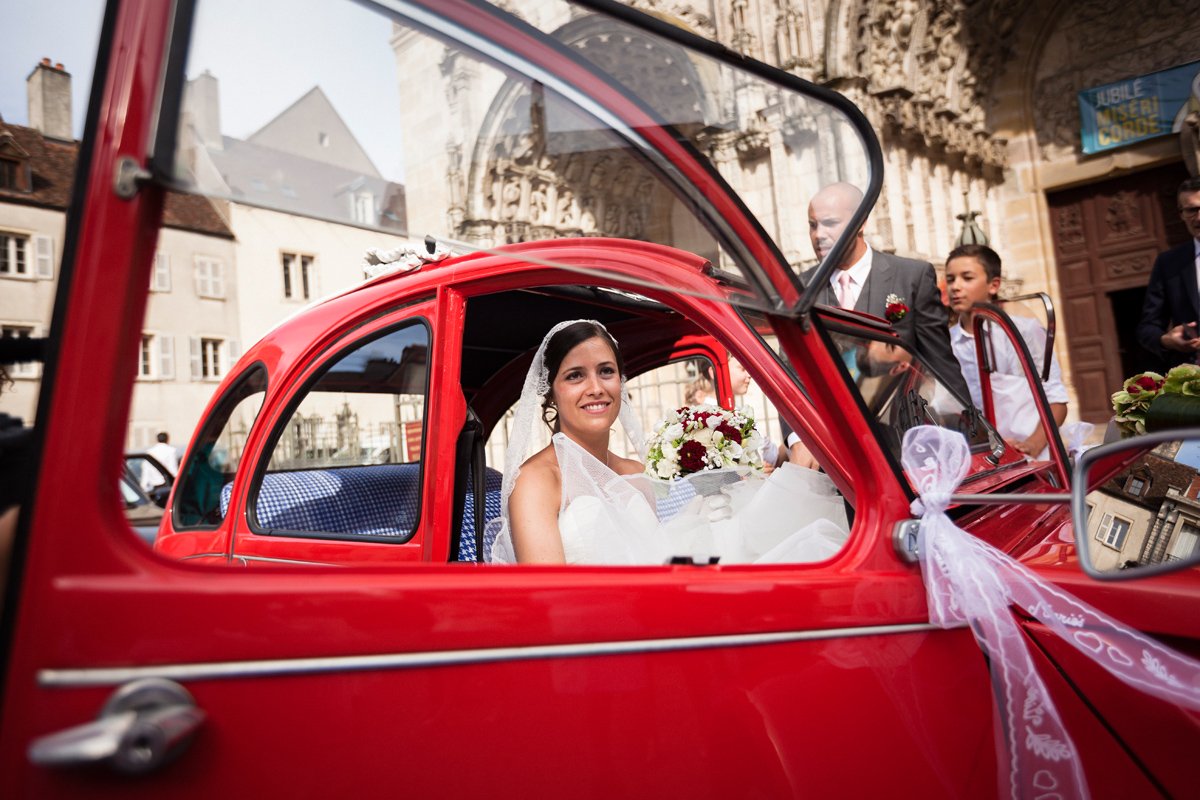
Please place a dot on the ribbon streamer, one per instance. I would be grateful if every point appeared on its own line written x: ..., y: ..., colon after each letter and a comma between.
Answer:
x: 969, y: 581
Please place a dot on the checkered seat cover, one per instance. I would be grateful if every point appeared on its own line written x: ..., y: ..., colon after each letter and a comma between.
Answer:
x: 377, y: 500
x: 491, y: 510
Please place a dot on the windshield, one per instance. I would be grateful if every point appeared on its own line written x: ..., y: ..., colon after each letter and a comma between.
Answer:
x: 387, y: 118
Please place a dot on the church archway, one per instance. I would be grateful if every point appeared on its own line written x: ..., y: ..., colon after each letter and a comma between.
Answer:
x: 540, y: 170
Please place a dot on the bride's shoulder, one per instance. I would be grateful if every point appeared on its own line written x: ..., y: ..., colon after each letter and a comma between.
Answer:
x: 626, y: 466
x: 540, y: 470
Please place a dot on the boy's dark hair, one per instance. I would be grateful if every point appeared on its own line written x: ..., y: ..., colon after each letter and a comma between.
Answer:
x: 985, y: 255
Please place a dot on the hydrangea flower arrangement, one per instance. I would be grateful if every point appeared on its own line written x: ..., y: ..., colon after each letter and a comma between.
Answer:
x: 1132, y: 403
x: 698, y: 438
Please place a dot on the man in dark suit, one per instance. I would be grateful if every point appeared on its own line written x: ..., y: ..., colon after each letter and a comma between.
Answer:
x: 1172, y: 305
x: 866, y: 279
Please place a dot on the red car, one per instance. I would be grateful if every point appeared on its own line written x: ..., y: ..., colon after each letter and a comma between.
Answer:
x: 312, y: 621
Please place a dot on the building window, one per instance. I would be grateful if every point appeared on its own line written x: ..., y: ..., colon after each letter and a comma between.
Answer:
x: 10, y: 172
x: 1137, y: 487
x: 364, y: 208
x: 160, y: 278
x: 211, y: 357
x: 146, y: 357
x: 210, y: 277
x: 1113, y: 530
x: 323, y: 139
x: 298, y: 276
x: 14, y: 255
x: 24, y: 369
x: 156, y: 357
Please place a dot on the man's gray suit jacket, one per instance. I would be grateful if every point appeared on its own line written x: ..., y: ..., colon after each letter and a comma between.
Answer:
x: 925, y: 327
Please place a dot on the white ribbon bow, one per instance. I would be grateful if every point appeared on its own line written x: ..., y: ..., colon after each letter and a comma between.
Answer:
x: 969, y: 581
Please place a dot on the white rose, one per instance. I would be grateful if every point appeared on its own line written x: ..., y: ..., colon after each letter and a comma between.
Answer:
x: 713, y: 421
x: 665, y: 469
x: 674, y: 431
x: 704, y: 436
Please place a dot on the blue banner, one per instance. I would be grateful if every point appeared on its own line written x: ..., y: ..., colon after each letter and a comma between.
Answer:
x: 1134, y: 110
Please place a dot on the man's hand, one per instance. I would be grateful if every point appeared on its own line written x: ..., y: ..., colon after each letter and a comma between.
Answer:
x: 1182, y: 338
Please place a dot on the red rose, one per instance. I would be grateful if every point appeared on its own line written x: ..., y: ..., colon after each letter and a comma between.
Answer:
x: 730, y: 432
x: 1148, y: 383
x: 895, y: 311
x: 691, y: 456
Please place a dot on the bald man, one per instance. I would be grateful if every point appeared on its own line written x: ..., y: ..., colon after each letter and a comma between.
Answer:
x: 865, y: 278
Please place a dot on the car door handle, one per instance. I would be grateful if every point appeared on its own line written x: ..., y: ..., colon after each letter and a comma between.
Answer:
x: 143, y: 726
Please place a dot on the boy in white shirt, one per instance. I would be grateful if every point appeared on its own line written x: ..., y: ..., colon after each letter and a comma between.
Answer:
x: 973, y: 276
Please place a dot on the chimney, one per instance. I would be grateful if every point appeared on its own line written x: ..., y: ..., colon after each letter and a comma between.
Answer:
x: 49, y: 88
x: 201, y: 108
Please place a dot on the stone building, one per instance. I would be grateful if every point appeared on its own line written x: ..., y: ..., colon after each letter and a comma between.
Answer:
x: 975, y: 104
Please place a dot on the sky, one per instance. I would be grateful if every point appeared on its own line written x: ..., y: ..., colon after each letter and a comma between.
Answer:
x: 266, y: 54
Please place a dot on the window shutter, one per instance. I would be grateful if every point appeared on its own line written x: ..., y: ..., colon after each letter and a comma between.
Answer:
x: 166, y: 357
x: 201, y: 278
x: 43, y: 248
x: 218, y: 278
x: 197, y: 368
x: 230, y: 354
x: 161, y: 281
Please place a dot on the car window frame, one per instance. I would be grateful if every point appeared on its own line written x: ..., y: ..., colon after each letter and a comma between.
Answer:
x: 279, y: 422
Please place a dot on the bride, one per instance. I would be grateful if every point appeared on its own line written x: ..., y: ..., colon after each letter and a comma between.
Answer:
x: 577, y: 502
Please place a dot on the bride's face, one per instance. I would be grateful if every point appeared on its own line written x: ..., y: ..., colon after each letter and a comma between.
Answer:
x: 587, y: 389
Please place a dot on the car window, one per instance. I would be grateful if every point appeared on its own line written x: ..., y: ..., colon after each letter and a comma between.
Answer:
x: 899, y: 391
x: 347, y: 458
x: 216, y: 453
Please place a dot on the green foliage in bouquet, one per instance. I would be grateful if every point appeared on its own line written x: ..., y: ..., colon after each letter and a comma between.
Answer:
x: 1175, y: 398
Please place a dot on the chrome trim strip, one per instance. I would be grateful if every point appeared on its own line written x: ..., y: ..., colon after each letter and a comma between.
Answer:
x: 113, y: 676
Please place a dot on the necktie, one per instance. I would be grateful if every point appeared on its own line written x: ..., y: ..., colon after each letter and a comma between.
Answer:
x: 845, y: 295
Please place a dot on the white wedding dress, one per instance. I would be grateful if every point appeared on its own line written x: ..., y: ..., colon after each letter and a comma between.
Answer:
x: 794, y: 515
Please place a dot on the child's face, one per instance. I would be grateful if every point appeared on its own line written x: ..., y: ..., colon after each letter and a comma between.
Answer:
x: 967, y: 283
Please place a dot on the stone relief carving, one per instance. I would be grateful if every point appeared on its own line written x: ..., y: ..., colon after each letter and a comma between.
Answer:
x: 928, y: 62
x: 1104, y: 43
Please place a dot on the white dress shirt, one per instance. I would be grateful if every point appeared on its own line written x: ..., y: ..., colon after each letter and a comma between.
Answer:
x: 1016, y: 413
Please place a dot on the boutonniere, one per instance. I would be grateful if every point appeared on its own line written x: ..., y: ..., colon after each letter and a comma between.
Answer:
x: 895, y: 308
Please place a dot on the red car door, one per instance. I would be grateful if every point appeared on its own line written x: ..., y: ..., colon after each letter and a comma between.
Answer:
x: 447, y: 679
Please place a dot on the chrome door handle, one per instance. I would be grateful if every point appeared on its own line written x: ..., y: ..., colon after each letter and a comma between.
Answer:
x: 143, y: 726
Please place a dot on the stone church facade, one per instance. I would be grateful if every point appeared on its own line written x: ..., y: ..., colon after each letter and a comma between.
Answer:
x: 974, y: 103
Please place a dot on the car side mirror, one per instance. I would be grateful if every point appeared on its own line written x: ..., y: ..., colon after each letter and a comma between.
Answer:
x: 1136, y: 505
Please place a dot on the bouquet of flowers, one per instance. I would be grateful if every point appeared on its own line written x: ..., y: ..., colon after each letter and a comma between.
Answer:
x: 1175, y: 399
x: 700, y: 438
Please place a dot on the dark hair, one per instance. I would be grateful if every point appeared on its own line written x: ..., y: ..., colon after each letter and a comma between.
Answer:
x: 163, y: 437
x: 985, y: 255
x: 557, y: 348
x: 1189, y: 185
